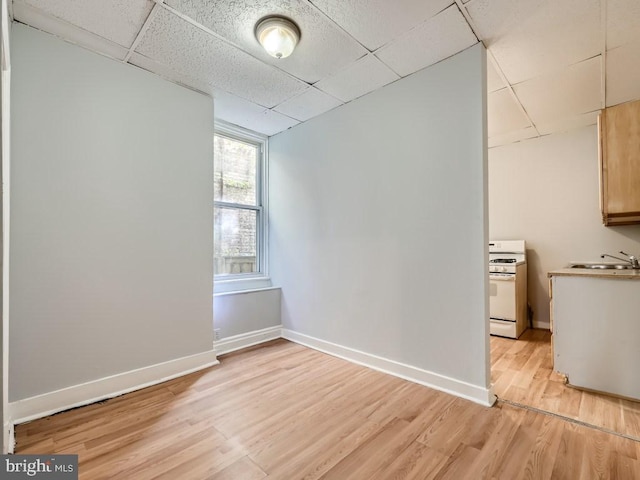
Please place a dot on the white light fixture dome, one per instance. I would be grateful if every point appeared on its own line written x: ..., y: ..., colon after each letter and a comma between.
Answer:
x: 278, y: 35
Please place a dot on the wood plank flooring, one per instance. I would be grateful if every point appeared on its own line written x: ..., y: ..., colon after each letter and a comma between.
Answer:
x: 522, y: 372
x: 283, y: 411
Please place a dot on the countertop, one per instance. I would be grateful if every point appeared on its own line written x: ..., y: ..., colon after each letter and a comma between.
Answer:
x: 590, y: 272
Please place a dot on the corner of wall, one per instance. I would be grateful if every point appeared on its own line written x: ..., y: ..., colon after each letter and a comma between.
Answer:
x: 452, y: 386
x: 249, y: 339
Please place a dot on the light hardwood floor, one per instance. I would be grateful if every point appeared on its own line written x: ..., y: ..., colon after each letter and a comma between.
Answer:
x: 283, y: 411
x: 522, y: 372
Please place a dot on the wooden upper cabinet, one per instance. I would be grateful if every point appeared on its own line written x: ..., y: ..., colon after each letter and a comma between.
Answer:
x: 620, y: 164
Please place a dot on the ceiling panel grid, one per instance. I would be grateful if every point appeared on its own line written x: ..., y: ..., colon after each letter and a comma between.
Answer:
x: 440, y: 37
x: 115, y: 20
x: 552, y: 65
x: 186, y: 49
x: 324, y: 48
x: 375, y: 23
x: 529, y: 38
x: 359, y: 78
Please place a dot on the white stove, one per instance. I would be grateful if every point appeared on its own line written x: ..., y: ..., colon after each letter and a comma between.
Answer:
x: 508, y: 288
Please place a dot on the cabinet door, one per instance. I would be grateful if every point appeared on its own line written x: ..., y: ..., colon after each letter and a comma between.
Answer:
x: 620, y: 157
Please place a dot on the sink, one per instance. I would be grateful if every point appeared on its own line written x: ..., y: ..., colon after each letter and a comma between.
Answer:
x: 602, y: 266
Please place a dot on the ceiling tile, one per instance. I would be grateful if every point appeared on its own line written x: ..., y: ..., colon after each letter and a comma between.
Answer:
x: 494, y: 81
x: 307, y: 105
x: 623, y: 22
x: 116, y: 20
x: 438, y: 38
x: 504, y: 113
x: 324, y: 48
x: 533, y: 37
x: 376, y: 22
x: 623, y: 74
x: 227, y: 107
x: 564, y: 94
x: 170, y: 74
x: 364, y: 76
x: 566, y: 124
x: 241, y: 112
x: 189, y: 50
x: 511, y: 137
x: 36, y: 18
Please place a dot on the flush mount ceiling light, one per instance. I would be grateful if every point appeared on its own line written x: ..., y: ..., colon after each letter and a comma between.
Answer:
x: 278, y: 35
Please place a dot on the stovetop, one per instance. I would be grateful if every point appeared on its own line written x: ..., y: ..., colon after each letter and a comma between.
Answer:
x: 506, y: 255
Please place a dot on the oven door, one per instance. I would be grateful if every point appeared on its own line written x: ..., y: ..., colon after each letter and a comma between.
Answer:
x: 502, y: 296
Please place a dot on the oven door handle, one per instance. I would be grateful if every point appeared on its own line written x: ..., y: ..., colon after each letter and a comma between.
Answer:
x: 502, y: 277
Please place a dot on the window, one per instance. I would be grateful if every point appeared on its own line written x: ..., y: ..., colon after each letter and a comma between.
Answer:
x: 239, y: 210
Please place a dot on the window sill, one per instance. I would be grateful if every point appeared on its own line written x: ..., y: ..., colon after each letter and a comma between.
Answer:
x: 239, y: 285
x: 244, y: 292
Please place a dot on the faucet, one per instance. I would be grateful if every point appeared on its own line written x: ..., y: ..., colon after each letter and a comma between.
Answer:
x: 630, y: 259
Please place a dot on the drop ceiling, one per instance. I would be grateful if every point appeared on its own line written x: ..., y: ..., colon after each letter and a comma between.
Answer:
x: 552, y: 64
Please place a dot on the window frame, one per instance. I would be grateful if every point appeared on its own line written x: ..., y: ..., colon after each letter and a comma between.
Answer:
x: 240, y: 134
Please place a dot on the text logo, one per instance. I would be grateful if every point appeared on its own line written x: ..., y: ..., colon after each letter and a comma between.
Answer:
x: 42, y: 467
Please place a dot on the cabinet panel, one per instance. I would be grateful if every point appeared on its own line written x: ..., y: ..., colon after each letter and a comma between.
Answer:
x: 620, y: 163
x: 596, y: 333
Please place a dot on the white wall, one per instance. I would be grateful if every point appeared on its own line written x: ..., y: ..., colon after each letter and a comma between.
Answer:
x: 239, y: 313
x: 111, y: 227
x: 546, y: 192
x: 377, y: 222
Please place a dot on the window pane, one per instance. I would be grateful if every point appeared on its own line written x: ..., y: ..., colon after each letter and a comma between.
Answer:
x: 235, y: 240
x: 234, y: 172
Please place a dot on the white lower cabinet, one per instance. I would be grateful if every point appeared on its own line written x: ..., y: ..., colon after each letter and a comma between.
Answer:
x: 596, y: 332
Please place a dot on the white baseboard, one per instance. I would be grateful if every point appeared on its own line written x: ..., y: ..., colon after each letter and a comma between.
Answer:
x: 541, y: 325
x: 78, y: 395
x: 108, y: 387
x: 483, y: 396
x: 9, y: 438
x: 244, y: 340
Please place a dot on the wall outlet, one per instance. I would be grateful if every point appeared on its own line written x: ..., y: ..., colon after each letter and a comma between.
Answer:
x: 216, y: 334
